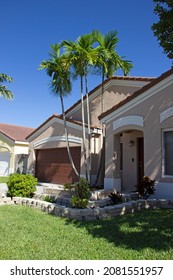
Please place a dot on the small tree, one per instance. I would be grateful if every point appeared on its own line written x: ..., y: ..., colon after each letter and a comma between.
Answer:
x: 163, y: 29
x: 57, y: 68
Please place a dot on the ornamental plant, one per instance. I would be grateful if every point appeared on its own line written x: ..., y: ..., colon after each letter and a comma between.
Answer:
x: 116, y: 197
x: 80, y: 193
x: 23, y: 185
x: 146, y: 187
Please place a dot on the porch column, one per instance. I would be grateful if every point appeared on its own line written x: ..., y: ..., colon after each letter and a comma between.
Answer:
x: 112, y: 160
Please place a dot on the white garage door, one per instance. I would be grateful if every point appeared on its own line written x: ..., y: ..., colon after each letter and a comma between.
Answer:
x: 4, y: 163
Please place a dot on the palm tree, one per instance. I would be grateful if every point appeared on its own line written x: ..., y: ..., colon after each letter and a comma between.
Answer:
x: 82, y: 56
x: 4, y: 92
x: 108, y: 62
x: 58, y: 69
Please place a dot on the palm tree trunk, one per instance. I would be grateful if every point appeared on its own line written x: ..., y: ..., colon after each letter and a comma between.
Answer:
x: 66, y: 135
x: 89, y: 128
x: 102, y: 156
x: 83, y: 129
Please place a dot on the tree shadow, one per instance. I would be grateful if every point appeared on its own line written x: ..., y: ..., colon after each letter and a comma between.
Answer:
x: 146, y: 229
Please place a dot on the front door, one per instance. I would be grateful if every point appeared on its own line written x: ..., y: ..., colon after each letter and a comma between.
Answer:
x: 140, y: 165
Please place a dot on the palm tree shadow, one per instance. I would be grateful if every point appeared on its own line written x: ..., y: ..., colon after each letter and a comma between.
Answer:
x: 151, y: 229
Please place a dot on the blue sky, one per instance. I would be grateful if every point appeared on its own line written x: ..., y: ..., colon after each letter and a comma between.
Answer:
x: 28, y: 27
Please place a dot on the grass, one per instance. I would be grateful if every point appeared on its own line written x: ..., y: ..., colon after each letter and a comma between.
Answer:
x: 26, y: 233
x: 3, y: 179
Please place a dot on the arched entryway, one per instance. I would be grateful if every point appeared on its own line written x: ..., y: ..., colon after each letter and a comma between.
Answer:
x: 130, y: 156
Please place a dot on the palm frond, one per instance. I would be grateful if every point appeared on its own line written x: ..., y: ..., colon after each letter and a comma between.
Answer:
x: 7, y: 94
x: 5, y: 78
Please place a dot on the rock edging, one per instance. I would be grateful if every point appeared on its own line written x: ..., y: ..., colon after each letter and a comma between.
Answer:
x: 94, y: 213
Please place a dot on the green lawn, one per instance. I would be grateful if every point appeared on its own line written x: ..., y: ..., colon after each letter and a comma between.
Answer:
x: 26, y: 233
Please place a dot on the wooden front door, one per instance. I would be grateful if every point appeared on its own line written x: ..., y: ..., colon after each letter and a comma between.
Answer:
x: 140, y: 165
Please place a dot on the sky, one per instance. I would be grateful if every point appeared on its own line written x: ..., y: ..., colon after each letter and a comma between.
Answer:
x: 28, y: 27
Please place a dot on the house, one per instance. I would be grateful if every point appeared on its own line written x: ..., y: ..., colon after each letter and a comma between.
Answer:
x: 48, y: 157
x: 139, y: 138
x: 13, y: 148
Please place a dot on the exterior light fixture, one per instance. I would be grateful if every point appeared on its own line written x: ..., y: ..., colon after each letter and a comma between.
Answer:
x: 131, y: 143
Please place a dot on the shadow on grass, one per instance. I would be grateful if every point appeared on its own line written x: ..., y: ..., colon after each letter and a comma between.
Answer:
x: 146, y: 229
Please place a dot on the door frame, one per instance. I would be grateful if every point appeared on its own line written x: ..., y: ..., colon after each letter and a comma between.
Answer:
x: 140, y: 159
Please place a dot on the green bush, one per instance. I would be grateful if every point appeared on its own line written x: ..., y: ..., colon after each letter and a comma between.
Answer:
x: 21, y: 185
x: 80, y: 193
x: 48, y: 198
x: 79, y: 202
x: 146, y: 187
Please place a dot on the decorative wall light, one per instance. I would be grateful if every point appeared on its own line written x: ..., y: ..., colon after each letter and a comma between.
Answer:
x: 131, y: 143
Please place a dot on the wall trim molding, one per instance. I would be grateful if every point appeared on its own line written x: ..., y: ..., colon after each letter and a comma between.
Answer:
x: 75, y: 140
x: 166, y: 114
x: 129, y: 120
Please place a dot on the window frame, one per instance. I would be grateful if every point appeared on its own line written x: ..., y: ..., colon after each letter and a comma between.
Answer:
x: 163, y: 153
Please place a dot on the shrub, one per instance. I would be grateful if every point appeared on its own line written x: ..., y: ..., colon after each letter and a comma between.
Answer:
x: 51, y: 199
x: 81, y: 193
x: 79, y: 202
x: 116, y: 197
x: 21, y: 185
x: 69, y: 187
x: 146, y: 187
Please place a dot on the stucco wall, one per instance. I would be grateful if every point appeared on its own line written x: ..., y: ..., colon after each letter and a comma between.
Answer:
x: 150, y: 110
x: 113, y: 94
x: 10, y: 152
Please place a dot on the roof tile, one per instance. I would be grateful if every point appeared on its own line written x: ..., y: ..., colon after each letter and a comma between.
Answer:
x: 14, y: 132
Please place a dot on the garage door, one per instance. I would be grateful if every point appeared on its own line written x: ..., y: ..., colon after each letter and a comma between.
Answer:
x: 4, y: 163
x: 53, y: 165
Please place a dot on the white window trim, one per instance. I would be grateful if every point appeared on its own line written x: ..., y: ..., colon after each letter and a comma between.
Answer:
x: 163, y: 154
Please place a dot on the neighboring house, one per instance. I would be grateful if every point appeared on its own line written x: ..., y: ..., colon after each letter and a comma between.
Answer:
x: 48, y: 158
x: 139, y: 138
x: 13, y: 148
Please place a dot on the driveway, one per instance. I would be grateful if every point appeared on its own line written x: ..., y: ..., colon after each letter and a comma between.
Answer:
x: 3, y: 188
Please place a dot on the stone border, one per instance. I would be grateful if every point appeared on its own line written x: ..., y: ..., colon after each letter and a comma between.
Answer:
x: 5, y: 200
x: 94, y: 213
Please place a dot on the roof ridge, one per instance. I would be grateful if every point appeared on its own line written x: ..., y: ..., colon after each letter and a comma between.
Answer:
x: 15, y: 125
x: 74, y: 121
x: 137, y: 93
x: 128, y: 78
x: 15, y: 132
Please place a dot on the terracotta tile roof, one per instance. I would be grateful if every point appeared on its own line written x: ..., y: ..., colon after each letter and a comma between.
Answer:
x: 14, y: 132
x: 137, y: 93
x: 58, y: 117
x: 125, y: 78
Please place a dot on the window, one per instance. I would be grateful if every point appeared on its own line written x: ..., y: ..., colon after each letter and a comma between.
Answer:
x: 168, y: 153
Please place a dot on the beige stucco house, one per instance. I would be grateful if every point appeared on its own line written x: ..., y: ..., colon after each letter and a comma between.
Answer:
x: 139, y: 138
x: 48, y: 158
x: 14, y: 149
x: 133, y: 118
